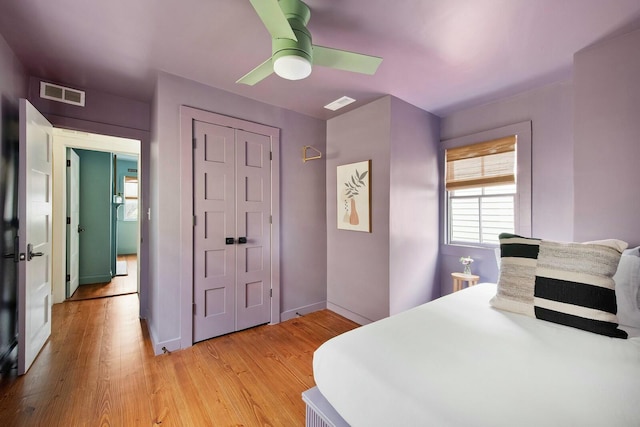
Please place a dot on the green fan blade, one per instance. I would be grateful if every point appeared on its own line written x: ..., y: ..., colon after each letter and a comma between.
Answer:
x: 273, y: 18
x: 345, y: 60
x: 262, y: 71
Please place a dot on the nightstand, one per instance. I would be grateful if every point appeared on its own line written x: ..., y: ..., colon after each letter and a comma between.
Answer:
x: 460, y: 278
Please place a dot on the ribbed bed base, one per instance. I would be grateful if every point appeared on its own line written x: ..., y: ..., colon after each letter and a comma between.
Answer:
x: 320, y: 413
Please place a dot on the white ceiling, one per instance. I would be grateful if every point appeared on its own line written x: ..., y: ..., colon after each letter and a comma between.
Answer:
x: 440, y: 55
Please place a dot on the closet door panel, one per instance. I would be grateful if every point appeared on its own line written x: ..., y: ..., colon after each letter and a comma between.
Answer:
x: 253, y: 282
x: 214, y: 272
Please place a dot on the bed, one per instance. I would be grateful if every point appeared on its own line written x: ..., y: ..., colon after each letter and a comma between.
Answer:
x: 459, y: 361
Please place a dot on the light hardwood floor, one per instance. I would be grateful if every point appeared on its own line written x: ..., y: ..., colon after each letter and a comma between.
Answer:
x: 118, y: 285
x: 98, y: 369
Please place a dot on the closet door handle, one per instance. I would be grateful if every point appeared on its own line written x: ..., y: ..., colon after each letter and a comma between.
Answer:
x: 242, y: 240
x: 229, y: 241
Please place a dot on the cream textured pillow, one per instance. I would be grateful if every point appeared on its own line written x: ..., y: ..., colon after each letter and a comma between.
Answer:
x: 566, y: 283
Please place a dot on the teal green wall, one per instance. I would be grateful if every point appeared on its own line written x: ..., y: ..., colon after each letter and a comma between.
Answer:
x: 95, y: 216
x: 127, y: 231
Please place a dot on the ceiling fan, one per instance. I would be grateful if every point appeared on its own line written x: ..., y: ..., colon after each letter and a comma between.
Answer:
x: 292, y: 51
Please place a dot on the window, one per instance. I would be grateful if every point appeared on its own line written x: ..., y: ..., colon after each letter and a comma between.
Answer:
x: 488, y: 186
x: 130, y: 198
x: 479, y: 215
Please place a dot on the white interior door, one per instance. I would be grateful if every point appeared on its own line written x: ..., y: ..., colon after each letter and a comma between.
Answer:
x: 73, y: 222
x: 34, y: 214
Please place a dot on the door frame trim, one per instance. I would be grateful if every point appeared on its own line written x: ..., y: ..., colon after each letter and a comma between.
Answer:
x: 187, y: 116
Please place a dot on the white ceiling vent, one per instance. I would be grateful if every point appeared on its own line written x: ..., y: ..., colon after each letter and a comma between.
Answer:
x: 61, y: 94
x: 339, y: 103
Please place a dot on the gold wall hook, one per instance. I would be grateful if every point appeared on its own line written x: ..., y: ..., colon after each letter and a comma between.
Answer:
x: 304, y: 153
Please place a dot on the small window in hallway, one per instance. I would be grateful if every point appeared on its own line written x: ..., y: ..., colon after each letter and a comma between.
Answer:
x: 130, y: 198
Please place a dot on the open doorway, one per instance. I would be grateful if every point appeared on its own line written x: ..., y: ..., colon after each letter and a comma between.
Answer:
x: 100, y: 145
x: 102, y: 224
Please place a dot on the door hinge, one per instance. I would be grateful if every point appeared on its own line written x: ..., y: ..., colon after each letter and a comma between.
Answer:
x: 194, y: 308
x: 68, y: 220
x: 68, y: 277
x: 270, y: 219
x: 194, y: 220
x: 271, y: 293
x: 270, y: 155
x: 68, y: 163
x: 194, y: 143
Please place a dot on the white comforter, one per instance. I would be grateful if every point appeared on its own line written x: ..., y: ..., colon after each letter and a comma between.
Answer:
x: 458, y: 362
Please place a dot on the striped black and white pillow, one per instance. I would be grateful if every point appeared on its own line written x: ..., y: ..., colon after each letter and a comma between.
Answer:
x: 566, y: 283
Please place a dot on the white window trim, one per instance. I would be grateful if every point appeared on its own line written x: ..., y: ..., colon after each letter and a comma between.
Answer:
x: 523, y: 178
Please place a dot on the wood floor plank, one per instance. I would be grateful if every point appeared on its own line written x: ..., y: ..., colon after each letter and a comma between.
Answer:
x: 210, y: 392
x: 98, y: 368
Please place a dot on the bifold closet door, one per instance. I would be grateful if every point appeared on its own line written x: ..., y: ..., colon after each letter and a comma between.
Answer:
x: 232, y: 233
x: 253, y: 281
x: 214, y: 274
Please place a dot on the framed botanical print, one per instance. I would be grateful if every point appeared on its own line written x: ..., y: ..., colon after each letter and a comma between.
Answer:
x: 354, y: 196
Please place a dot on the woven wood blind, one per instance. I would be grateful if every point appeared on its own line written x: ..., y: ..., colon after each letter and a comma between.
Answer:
x: 481, y: 165
x: 130, y: 187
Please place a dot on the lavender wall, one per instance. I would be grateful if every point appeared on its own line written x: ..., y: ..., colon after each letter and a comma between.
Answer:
x: 357, y: 262
x: 13, y: 85
x: 13, y: 82
x: 607, y: 140
x: 414, y: 207
x: 393, y: 268
x: 302, y: 195
x: 550, y: 110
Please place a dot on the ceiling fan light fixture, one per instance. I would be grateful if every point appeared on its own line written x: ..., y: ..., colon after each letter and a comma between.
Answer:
x: 292, y: 67
x: 292, y: 50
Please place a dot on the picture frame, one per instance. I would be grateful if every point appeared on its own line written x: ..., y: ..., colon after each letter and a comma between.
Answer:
x: 354, y: 196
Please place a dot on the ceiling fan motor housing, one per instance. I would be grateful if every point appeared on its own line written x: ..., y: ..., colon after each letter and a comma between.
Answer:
x: 292, y: 52
x: 295, y: 9
x: 292, y: 59
x: 298, y: 15
x: 302, y: 47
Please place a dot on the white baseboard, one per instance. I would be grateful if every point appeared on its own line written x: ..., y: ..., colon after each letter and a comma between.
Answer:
x: 170, y: 345
x: 290, y: 314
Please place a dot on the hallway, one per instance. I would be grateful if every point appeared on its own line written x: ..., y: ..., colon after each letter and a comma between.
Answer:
x: 119, y: 285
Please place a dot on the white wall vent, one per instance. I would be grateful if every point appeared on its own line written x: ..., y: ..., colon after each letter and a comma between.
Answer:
x: 61, y: 94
